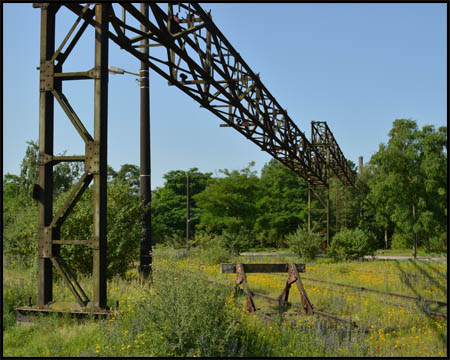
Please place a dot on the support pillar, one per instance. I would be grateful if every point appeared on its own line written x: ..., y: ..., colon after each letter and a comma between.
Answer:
x: 327, y: 239
x: 309, y: 208
x: 100, y: 142
x: 337, y: 207
x: 345, y: 206
x: 188, y: 211
x: 145, y: 260
x: 46, y: 132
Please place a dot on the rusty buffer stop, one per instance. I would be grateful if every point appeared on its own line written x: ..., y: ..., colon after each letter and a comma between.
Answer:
x: 292, y: 269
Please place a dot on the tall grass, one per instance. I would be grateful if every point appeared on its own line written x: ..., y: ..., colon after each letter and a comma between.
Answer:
x: 181, y: 314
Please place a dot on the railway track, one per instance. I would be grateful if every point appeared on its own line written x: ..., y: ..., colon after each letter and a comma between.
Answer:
x: 297, y: 306
x: 361, y: 288
x: 337, y: 318
x: 432, y: 313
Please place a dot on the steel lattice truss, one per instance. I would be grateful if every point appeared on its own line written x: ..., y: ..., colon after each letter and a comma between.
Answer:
x: 323, y: 138
x: 201, y: 62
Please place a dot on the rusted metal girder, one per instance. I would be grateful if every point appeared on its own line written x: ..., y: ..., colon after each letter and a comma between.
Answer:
x: 51, y: 80
x: 46, y: 125
x: 201, y: 62
x: 323, y: 139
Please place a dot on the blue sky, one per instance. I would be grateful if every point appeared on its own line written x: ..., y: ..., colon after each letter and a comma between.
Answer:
x: 357, y: 66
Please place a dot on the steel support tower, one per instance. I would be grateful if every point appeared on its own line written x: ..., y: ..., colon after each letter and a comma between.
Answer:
x: 198, y: 60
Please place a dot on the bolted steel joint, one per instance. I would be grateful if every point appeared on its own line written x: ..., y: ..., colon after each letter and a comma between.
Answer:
x: 45, y: 241
x: 94, y: 73
x: 44, y: 159
x: 94, y: 244
x: 92, y: 162
x: 47, y: 75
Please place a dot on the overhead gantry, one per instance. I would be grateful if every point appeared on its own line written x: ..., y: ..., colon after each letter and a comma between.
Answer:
x: 201, y: 62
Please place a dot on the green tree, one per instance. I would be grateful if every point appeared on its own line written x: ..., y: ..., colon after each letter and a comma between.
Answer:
x: 410, y: 179
x: 282, y: 203
x: 169, y: 205
x: 129, y: 174
x: 64, y: 174
x: 228, y: 204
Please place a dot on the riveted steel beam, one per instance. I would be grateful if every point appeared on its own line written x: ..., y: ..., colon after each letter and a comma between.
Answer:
x: 46, y: 125
x: 100, y: 138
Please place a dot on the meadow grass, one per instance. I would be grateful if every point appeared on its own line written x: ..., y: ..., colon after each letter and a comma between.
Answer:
x: 180, y: 314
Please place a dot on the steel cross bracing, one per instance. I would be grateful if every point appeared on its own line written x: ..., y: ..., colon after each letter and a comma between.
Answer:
x: 202, y: 63
x: 323, y: 139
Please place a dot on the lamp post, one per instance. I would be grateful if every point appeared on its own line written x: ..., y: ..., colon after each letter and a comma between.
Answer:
x: 145, y: 258
x: 145, y: 261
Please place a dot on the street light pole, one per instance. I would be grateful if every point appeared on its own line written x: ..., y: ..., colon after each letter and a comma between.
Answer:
x: 145, y: 260
x: 188, y: 211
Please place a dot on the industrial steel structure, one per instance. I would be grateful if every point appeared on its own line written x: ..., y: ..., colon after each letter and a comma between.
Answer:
x: 201, y: 62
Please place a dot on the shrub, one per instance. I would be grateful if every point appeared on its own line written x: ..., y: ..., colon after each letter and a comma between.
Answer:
x: 17, y: 289
x: 401, y: 241
x: 439, y: 242
x: 20, y: 232
x: 304, y: 244
x: 175, y: 240
x: 237, y: 242
x: 183, y: 315
x: 350, y: 244
x: 123, y: 218
x: 212, y: 249
x: 123, y: 226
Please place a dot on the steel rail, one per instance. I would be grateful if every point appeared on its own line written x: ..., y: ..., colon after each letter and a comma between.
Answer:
x: 297, y: 306
x: 431, y: 313
x: 361, y: 288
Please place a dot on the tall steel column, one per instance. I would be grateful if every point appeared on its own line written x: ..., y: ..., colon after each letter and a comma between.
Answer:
x: 188, y: 211
x: 145, y: 162
x: 328, y: 174
x: 100, y: 144
x: 45, y: 194
x: 337, y: 207
x: 309, y: 207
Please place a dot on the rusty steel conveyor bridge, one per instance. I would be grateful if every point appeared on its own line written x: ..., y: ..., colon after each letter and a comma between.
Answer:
x: 201, y: 62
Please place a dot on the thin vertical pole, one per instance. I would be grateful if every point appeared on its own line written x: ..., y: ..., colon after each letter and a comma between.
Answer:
x: 415, y: 233
x: 328, y: 216
x: 328, y: 196
x: 46, y: 123
x: 188, y: 210
x: 100, y: 138
x: 145, y: 179
x: 344, y: 213
x: 337, y: 207
x: 309, y: 208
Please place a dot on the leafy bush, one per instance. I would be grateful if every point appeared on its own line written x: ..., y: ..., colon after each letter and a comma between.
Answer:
x: 237, y: 242
x: 350, y: 244
x: 212, y: 248
x: 17, y: 289
x: 20, y: 232
x: 123, y: 218
x: 123, y: 225
x: 439, y: 243
x: 304, y: 244
x: 183, y: 315
x: 401, y: 241
x: 176, y: 239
